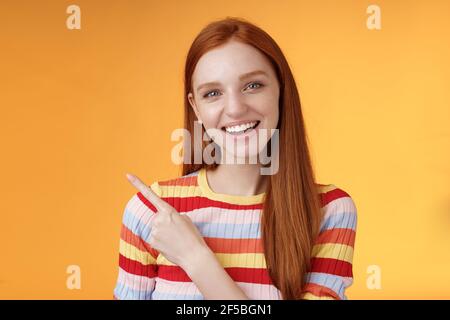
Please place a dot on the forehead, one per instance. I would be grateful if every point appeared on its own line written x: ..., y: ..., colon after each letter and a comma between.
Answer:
x: 229, y: 61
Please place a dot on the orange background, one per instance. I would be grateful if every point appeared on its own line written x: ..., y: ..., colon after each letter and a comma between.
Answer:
x: 80, y: 108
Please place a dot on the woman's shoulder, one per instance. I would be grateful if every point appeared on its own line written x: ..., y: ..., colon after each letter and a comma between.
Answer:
x: 176, y: 186
x: 169, y: 188
x: 338, y: 207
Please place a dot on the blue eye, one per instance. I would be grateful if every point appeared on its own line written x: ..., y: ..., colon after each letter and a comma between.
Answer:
x: 257, y: 83
x: 207, y: 95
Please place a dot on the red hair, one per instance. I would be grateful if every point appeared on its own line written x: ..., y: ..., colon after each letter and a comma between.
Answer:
x: 292, y: 213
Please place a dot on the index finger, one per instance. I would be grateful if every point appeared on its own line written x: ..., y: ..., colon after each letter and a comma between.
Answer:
x: 148, y: 193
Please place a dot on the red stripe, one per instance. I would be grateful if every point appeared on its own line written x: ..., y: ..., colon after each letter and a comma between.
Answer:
x: 146, y: 202
x: 321, y: 291
x: 181, y: 181
x: 225, y: 245
x: 129, y: 237
x: 329, y: 196
x: 337, y: 235
x: 173, y: 273
x: 332, y: 266
x: 186, y: 204
x: 137, y: 268
x: 326, y: 197
x: 250, y: 275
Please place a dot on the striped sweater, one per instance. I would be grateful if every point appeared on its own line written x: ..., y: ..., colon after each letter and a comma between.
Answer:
x: 230, y: 226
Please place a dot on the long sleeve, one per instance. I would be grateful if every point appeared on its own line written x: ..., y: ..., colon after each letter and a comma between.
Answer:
x: 137, y: 259
x: 331, y: 264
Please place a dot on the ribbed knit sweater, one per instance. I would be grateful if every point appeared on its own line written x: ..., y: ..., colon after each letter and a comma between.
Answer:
x: 230, y: 226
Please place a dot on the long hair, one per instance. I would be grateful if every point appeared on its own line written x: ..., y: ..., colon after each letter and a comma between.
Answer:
x: 291, y: 213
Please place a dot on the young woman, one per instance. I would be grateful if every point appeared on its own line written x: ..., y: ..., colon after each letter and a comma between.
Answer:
x: 223, y: 230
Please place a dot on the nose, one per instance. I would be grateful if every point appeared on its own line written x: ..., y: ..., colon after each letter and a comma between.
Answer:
x: 235, y: 105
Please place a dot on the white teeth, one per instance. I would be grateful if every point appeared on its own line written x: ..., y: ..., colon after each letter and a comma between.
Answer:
x: 241, y: 127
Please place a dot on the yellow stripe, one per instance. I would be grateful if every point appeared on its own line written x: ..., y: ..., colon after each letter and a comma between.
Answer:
x: 234, y: 199
x: 131, y: 252
x: 333, y: 251
x: 156, y: 188
x: 229, y: 260
x: 310, y: 296
x: 327, y: 188
x: 180, y: 191
x: 243, y: 260
x: 193, y: 191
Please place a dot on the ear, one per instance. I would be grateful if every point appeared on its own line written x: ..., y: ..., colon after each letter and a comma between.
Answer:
x: 193, y: 105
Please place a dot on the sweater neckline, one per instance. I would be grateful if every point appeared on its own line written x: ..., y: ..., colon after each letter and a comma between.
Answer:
x: 234, y: 199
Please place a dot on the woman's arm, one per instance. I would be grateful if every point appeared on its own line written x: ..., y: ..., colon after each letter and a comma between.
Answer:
x: 211, y: 278
x: 137, y: 270
x: 332, y: 255
x: 178, y: 239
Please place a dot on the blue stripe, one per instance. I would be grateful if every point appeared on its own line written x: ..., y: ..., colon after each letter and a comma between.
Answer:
x: 173, y: 296
x: 340, y: 220
x: 123, y: 292
x: 207, y: 229
x: 331, y: 281
x: 132, y: 222
x: 229, y: 230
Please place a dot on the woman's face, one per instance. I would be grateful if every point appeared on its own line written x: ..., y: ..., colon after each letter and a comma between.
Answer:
x: 235, y: 90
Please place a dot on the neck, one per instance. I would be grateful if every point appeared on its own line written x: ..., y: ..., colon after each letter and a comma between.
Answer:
x: 237, y: 179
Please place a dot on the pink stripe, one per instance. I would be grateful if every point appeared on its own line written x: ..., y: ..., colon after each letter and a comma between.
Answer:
x: 231, y: 216
x: 139, y: 210
x: 135, y: 282
x: 256, y: 291
x: 252, y: 290
x: 211, y: 214
x: 176, y: 287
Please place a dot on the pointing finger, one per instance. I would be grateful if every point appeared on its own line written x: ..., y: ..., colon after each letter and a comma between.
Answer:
x: 148, y: 193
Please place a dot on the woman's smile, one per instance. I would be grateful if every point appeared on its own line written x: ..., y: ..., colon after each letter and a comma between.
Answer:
x: 241, y: 127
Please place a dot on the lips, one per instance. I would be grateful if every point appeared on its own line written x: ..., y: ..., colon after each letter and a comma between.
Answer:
x: 243, y: 132
x: 241, y: 128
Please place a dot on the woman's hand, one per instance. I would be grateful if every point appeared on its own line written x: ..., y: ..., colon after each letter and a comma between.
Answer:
x: 172, y: 234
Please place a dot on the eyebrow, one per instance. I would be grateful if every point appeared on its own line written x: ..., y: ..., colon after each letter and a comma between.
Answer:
x: 241, y: 77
